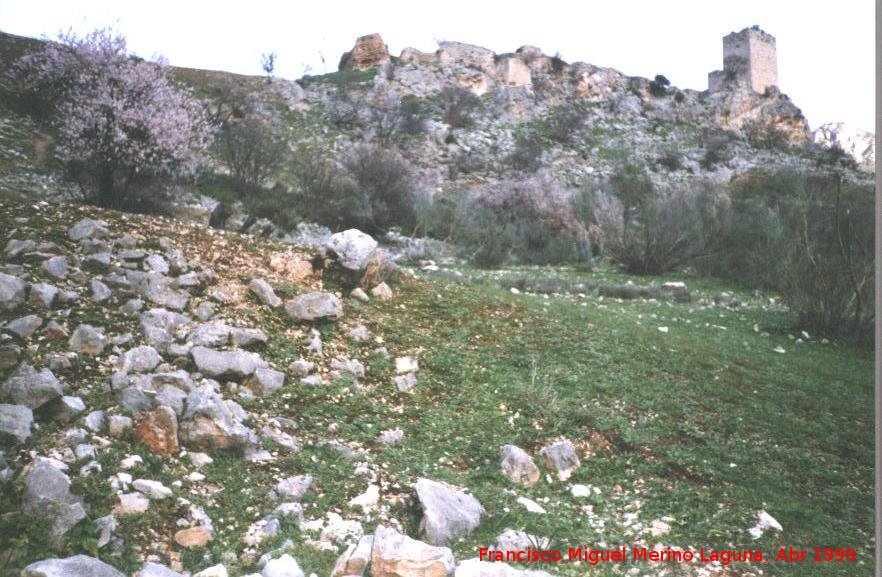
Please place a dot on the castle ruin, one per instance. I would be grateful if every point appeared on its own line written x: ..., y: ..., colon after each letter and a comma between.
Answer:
x: 749, y: 60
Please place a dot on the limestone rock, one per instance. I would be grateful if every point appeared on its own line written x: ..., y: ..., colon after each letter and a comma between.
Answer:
x: 396, y: 555
x: 12, y: 291
x: 369, y: 51
x: 314, y: 306
x: 141, y: 359
x: 160, y: 325
x: 214, y: 571
x: 56, y: 267
x: 47, y: 496
x: 359, y: 295
x: 154, y: 490
x: 519, y: 466
x: 293, y: 488
x: 88, y: 228
x: 15, y: 423
x: 76, y: 566
x: 131, y: 504
x: 28, y: 387
x: 156, y: 570
x: 158, y: 430
x: 561, y: 457
x: 193, y: 537
x: 352, y: 247
x: 447, y: 513
x: 88, y: 340
x: 209, y: 422
x: 23, y: 327
x: 382, y: 292
x: 211, y: 334
x: 43, y: 295
x: 100, y: 291
x: 355, y: 559
x: 247, y: 337
x: 235, y: 363
x: 284, y: 566
x: 67, y: 408
x: 264, y: 292
x: 265, y: 382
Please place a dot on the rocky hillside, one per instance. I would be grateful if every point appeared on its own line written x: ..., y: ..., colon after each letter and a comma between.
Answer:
x: 532, y: 112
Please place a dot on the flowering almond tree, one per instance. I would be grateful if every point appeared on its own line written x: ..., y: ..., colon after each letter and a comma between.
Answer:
x: 123, y: 129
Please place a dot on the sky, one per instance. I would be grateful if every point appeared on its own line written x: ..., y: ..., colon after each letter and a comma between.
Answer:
x: 826, y: 50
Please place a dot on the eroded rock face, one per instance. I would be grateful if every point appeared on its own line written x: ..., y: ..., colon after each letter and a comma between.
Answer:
x: 369, y: 51
x: 355, y: 559
x: 447, y: 513
x: 397, y: 555
x: 76, y: 566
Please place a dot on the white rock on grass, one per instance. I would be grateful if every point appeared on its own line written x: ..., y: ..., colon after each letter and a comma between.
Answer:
x: 214, y: 571
x: 152, y: 489
x: 531, y: 505
x: 519, y: 466
x: 284, y: 566
x: 764, y: 522
x: 561, y: 457
x: 396, y: 555
x: 447, y: 513
x: 76, y: 566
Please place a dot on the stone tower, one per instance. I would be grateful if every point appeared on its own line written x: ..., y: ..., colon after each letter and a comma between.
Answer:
x: 749, y: 59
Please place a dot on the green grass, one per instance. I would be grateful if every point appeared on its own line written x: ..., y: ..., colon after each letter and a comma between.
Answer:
x: 666, y: 416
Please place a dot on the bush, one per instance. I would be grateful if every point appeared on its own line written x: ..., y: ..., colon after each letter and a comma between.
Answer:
x: 565, y: 124
x: 718, y: 147
x: 810, y: 237
x: 530, y: 221
x: 372, y: 189
x: 527, y: 154
x: 460, y: 106
x: 659, y: 86
x: 253, y: 146
x: 392, y: 119
x: 648, y: 231
x: 123, y: 128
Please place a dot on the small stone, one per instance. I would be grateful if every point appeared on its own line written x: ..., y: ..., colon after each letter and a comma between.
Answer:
x: 12, y: 291
x: 88, y: 228
x: 154, y: 490
x: 130, y: 462
x: 519, y: 466
x: 301, y: 368
x: 76, y: 566
x: 24, y: 327
x: 406, y: 365
x: 141, y: 359
x: 157, y: 264
x: 15, y: 424
x: 204, y: 311
x: 264, y: 292
x: 132, y: 307
x: 448, y: 513
x: 9, y: 356
x: 95, y: 421
x: 194, y: 537
x: 314, y: 306
x: 56, y: 267
x: 293, y: 488
x: 531, y: 505
x: 67, y: 408
x: 26, y: 386
x: 284, y: 566
x: 360, y: 334
x: 118, y: 424
x: 100, y: 291
x: 382, y: 292
x: 359, y: 295
x: 158, y: 430
x: 391, y: 436
x: 405, y: 383
x: 265, y: 382
x: 561, y: 457
x: 43, y: 295
x: 247, y: 337
x: 87, y: 339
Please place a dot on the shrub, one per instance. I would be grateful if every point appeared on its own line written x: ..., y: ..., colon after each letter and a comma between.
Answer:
x: 809, y: 236
x: 670, y: 158
x: 122, y: 126
x: 565, y: 124
x: 253, y: 146
x: 460, y: 106
x: 718, y: 147
x: 372, y: 189
x: 648, y: 231
x: 530, y: 220
x: 392, y: 119
x: 527, y: 154
x: 658, y: 87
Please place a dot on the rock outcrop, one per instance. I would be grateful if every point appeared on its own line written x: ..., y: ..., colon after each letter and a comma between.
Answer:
x: 369, y: 52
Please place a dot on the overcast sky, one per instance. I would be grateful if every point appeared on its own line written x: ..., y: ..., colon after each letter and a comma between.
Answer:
x: 825, y: 49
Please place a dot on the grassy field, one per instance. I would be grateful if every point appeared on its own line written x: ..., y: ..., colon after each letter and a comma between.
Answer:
x: 681, y: 411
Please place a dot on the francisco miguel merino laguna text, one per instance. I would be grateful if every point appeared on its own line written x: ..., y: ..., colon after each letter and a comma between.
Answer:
x: 595, y: 556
